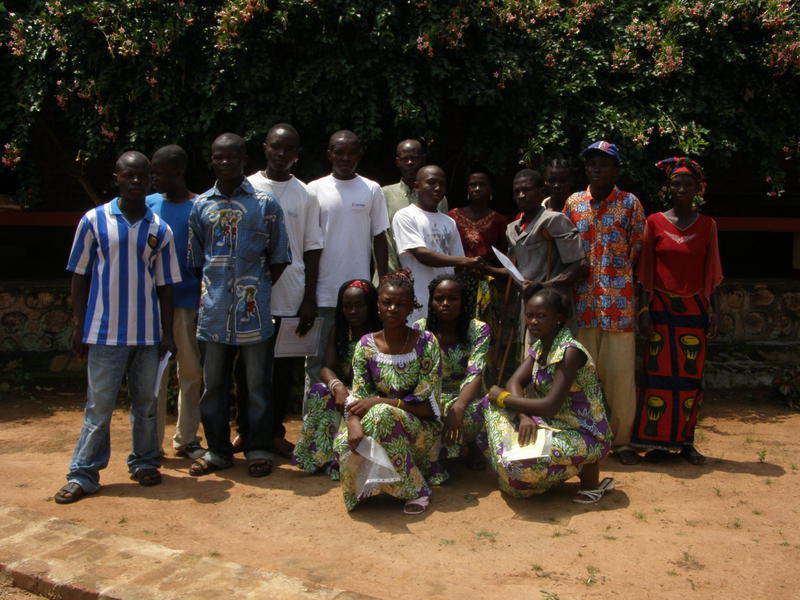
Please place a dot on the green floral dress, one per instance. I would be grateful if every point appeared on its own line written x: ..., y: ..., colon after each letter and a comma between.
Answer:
x: 314, y: 448
x: 411, y: 443
x: 585, y: 435
x: 461, y: 364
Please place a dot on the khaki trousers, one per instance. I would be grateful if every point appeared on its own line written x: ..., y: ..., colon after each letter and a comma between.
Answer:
x: 614, y: 354
x: 190, y: 381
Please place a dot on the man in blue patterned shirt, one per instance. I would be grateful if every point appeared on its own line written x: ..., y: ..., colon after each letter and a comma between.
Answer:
x: 238, y: 240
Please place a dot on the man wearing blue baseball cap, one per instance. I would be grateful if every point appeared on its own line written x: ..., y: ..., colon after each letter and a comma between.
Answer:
x: 611, y: 225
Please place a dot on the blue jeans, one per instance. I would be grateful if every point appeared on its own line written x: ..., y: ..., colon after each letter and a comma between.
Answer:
x: 214, y: 409
x: 107, y: 366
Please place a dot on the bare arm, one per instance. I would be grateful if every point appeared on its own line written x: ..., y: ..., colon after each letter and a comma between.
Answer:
x: 276, y: 270
x: 79, y: 290
x: 431, y: 258
x: 308, y: 307
x: 548, y: 406
x: 573, y: 273
x: 381, y: 249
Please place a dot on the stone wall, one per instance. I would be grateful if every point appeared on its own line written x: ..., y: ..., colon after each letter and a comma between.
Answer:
x: 35, y: 316
x: 759, y: 311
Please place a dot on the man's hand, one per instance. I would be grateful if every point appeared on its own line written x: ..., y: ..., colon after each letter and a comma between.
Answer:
x: 78, y: 347
x: 307, y: 314
x: 167, y: 344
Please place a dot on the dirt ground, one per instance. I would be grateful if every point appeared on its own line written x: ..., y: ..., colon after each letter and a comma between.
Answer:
x: 728, y: 529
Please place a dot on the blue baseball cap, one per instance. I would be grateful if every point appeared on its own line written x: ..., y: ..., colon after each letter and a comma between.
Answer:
x: 606, y: 147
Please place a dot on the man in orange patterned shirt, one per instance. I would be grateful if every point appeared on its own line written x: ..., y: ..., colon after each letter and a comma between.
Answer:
x: 611, y: 225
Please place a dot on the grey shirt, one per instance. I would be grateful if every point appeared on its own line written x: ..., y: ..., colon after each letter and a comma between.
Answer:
x: 546, y: 246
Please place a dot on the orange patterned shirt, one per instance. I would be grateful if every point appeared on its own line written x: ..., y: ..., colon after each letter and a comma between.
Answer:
x: 611, y: 232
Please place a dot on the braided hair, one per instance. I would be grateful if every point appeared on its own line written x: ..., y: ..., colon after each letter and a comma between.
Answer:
x: 466, y: 286
x: 402, y: 279
x: 341, y: 328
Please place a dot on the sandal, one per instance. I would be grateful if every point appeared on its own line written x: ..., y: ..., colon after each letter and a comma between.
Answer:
x: 75, y: 491
x: 693, y: 456
x: 237, y: 444
x: 147, y: 476
x: 657, y: 455
x: 594, y: 496
x: 628, y: 457
x: 202, y: 467
x: 260, y: 467
x: 417, y: 506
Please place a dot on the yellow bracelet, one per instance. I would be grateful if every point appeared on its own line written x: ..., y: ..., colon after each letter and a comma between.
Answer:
x: 398, y: 402
x: 501, y: 399
x: 644, y: 309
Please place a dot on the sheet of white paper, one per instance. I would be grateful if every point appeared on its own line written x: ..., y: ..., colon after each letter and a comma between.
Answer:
x: 506, y: 262
x: 162, y: 365
x: 291, y: 344
x: 537, y: 449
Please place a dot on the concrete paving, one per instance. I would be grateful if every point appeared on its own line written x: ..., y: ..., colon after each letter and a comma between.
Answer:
x: 66, y: 561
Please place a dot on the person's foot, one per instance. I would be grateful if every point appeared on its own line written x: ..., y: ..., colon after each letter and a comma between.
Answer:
x: 628, y: 457
x: 657, y: 455
x: 260, y: 467
x: 282, y: 447
x: 146, y: 477
x: 71, y: 492
x: 691, y: 454
x: 417, y: 506
x: 237, y: 444
x: 595, y: 495
x: 193, y: 451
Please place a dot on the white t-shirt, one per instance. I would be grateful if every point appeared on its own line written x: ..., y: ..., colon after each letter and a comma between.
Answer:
x: 352, y: 212
x: 301, y: 217
x: 417, y: 228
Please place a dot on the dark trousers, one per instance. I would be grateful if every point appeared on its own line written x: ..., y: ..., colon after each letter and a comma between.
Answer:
x: 256, y: 402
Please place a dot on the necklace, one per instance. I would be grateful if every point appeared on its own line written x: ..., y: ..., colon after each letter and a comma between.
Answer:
x: 405, y: 343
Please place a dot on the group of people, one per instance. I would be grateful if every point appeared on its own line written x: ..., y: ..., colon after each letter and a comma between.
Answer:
x: 406, y: 365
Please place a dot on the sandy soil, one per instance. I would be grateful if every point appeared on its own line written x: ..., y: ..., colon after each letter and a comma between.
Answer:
x: 729, y: 529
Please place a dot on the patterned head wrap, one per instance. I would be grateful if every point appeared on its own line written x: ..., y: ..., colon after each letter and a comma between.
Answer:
x: 681, y: 164
x: 357, y: 283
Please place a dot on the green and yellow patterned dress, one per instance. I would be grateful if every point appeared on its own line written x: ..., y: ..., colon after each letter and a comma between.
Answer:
x: 585, y: 435
x: 411, y: 443
x: 314, y: 448
x: 461, y: 364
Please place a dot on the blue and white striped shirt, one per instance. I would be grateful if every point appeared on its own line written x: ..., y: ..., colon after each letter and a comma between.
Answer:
x: 126, y: 262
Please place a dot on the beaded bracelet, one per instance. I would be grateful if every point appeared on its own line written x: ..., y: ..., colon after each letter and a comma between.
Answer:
x: 333, y: 383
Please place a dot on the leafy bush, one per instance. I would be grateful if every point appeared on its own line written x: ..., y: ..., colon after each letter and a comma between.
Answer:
x: 498, y: 78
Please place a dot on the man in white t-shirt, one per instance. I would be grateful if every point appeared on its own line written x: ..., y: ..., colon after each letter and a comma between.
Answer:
x: 354, y: 223
x: 294, y: 295
x: 427, y: 241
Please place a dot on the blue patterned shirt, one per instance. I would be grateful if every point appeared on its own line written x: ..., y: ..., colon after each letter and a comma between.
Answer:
x: 235, y: 239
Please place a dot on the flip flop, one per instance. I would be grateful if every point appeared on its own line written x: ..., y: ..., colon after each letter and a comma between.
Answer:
x: 202, y: 467
x: 146, y: 477
x: 693, y: 456
x: 628, y: 457
x: 74, y: 489
x: 594, y: 496
x: 417, y: 506
x: 259, y: 467
x: 657, y: 455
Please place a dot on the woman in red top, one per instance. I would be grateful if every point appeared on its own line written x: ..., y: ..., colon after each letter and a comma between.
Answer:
x: 679, y: 270
x: 480, y: 227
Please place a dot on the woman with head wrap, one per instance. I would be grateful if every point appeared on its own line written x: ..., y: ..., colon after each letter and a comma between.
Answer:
x: 679, y: 270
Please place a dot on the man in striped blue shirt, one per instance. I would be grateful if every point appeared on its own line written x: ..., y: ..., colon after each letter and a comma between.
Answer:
x: 123, y: 264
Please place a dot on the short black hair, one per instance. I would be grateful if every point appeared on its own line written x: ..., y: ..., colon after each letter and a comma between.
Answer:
x: 172, y: 154
x: 535, y: 176
x: 552, y: 295
x: 287, y: 127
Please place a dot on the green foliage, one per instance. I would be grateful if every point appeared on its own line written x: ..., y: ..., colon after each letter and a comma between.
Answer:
x: 498, y: 78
